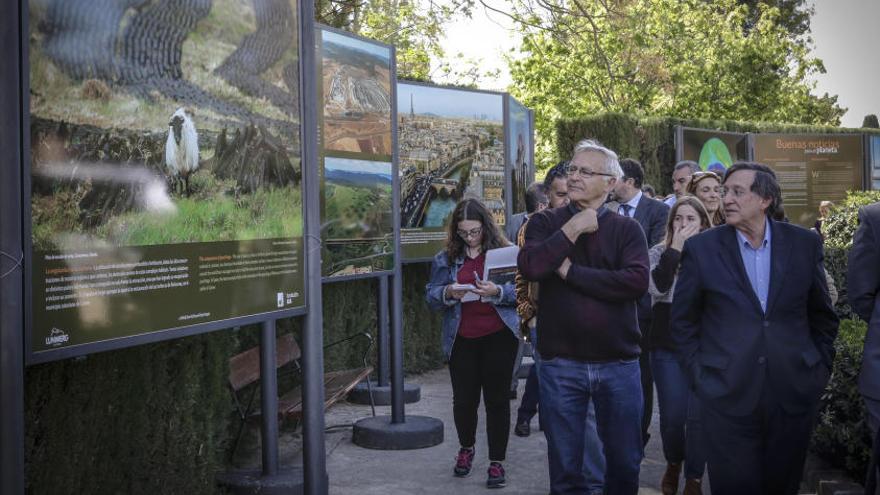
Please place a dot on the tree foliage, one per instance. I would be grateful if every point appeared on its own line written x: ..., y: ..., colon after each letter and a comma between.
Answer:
x: 794, y: 15
x: 687, y: 58
x: 871, y: 122
x: 414, y: 27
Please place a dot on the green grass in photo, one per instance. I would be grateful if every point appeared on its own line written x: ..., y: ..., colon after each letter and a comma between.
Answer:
x: 262, y: 215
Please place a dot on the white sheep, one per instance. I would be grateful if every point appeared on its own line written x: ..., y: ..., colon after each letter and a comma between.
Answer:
x: 182, y: 147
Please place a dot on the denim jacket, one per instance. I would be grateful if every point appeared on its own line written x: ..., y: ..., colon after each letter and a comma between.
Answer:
x: 442, y: 275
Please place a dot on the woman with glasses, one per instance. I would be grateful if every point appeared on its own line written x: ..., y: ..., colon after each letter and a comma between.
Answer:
x: 679, y: 409
x: 706, y: 186
x: 479, y: 334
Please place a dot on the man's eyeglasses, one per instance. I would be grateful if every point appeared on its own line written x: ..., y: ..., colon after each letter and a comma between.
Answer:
x: 464, y: 234
x: 735, y: 192
x: 584, y: 173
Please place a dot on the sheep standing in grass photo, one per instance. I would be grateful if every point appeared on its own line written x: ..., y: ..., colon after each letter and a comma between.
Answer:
x: 182, y: 148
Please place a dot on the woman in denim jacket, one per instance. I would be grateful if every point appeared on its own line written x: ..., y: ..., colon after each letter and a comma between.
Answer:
x: 479, y: 334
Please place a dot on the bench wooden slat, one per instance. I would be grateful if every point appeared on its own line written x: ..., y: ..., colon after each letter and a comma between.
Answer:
x: 337, y: 384
x: 244, y: 368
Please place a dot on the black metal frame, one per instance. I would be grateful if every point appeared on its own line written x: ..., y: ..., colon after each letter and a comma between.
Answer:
x: 15, y: 283
x: 395, y: 186
x: 31, y: 358
x: 13, y: 36
x: 468, y: 90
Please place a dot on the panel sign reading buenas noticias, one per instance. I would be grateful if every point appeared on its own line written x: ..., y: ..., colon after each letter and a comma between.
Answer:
x: 812, y: 168
x: 519, y: 138
x: 357, y: 177
x: 165, y: 168
x: 713, y: 150
x: 451, y: 145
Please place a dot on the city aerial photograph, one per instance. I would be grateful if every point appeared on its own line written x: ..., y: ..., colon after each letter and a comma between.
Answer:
x: 451, y: 146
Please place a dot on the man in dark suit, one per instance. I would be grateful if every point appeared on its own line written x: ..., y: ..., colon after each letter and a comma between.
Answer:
x: 755, y: 331
x: 651, y: 214
x: 863, y: 289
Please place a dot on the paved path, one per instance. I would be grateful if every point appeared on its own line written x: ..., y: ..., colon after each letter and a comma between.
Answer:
x: 355, y: 470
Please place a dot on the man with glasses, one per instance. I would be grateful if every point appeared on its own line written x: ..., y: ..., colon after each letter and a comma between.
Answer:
x: 592, y: 267
x: 754, y: 328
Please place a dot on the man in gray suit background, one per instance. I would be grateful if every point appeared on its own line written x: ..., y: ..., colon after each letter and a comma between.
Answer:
x: 651, y: 215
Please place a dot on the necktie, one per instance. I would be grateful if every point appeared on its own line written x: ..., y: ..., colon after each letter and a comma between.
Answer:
x: 625, y: 209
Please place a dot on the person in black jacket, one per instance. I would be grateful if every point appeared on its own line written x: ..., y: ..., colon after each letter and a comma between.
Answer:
x: 651, y: 214
x: 754, y: 328
x: 863, y: 288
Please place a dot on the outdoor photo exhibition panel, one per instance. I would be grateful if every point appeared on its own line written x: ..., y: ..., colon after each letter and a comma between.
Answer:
x: 520, y: 141
x: 451, y: 145
x: 356, y: 148
x: 165, y: 161
x: 812, y: 168
x: 715, y: 151
x: 874, y: 158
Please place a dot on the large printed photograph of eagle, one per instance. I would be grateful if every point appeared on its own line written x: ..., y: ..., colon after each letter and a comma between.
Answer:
x: 163, y: 121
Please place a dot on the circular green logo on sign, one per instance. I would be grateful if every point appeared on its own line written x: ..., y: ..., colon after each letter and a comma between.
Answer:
x: 715, y: 157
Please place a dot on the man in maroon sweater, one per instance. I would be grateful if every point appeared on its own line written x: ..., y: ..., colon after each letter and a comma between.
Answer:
x: 592, y: 266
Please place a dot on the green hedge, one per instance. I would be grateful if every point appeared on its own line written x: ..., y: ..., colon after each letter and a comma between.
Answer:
x: 159, y: 418
x: 151, y: 419
x: 651, y: 140
x: 841, y: 435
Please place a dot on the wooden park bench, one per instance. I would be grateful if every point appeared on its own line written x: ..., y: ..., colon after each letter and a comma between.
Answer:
x: 244, y: 370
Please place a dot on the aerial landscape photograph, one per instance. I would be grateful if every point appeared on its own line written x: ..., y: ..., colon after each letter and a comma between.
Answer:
x: 356, y: 220
x: 356, y: 80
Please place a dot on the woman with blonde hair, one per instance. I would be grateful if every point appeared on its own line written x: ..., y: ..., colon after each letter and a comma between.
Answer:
x: 706, y: 186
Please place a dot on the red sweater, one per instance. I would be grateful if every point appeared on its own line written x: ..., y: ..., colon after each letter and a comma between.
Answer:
x: 590, y: 316
x: 478, y: 319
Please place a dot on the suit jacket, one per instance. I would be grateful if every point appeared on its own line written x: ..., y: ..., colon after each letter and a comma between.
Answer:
x: 729, y: 347
x: 652, y: 216
x: 513, y: 226
x: 863, y: 289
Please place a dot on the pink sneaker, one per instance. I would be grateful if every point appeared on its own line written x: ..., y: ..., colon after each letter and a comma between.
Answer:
x: 464, y: 462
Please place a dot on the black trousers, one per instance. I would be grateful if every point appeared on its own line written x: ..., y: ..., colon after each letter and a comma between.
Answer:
x: 647, y: 381
x: 762, y: 453
x: 483, y: 365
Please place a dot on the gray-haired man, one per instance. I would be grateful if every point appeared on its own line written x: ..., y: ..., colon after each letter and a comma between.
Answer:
x: 589, y: 285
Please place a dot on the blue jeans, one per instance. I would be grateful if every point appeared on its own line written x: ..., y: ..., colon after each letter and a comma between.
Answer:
x: 680, y: 425
x: 568, y: 387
